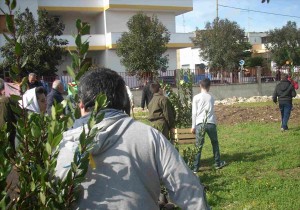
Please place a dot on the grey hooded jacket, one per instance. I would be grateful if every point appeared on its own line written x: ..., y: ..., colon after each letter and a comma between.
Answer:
x: 132, y: 159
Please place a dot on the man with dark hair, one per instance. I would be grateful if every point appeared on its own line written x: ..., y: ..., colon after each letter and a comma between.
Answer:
x: 55, y: 95
x: 33, y: 82
x: 284, y: 93
x: 131, y: 158
x: 204, y: 121
x: 161, y: 112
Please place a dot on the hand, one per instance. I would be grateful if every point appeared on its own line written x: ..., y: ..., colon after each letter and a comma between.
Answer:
x: 193, y: 130
x: 172, y: 130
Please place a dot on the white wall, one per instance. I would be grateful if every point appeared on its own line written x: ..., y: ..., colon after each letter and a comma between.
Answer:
x: 117, y: 20
x: 255, y: 37
x: 172, y: 59
x: 178, y: 3
x: 189, y: 56
x: 69, y: 19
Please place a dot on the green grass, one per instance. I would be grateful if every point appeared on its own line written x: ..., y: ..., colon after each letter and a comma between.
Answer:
x: 263, y: 170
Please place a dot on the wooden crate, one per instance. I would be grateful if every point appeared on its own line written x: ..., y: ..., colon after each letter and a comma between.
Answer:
x: 184, y: 136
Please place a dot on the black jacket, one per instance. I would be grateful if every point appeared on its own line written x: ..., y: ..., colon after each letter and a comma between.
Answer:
x: 146, y: 96
x: 284, y: 92
x: 53, y: 95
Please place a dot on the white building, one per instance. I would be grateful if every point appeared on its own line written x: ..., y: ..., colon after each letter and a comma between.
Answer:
x: 108, y: 19
x: 190, y: 58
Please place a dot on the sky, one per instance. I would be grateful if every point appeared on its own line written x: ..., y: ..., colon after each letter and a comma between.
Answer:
x: 205, y: 11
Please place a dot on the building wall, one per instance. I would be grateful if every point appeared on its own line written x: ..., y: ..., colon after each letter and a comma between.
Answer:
x: 117, y: 20
x: 190, y: 57
x: 69, y: 19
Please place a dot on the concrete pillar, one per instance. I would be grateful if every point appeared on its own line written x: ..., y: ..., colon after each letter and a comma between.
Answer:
x: 258, y: 76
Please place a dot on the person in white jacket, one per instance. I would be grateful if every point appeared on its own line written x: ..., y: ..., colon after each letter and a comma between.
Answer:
x: 131, y: 159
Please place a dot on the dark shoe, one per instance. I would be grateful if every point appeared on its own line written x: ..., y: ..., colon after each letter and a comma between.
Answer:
x: 221, y: 165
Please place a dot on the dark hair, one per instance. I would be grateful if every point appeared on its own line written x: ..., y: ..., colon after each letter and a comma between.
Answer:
x: 40, y: 90
x: 205, y: 83
x: 105, y: 81
x: 154, y: 87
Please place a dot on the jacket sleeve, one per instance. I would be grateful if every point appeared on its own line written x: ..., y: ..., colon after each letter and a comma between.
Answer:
x: 275, y: 95
x: 168, y: 112
x: 65, y: 157
x: 194, y: 110
x: 143, y: 98
x: 184, y: 188
x: 294, y: 94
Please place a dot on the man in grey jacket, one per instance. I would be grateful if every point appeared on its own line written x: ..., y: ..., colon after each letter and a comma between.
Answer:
x: 131, y: 158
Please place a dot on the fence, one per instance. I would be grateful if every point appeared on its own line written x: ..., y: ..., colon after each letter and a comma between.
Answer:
x: 169, y: 77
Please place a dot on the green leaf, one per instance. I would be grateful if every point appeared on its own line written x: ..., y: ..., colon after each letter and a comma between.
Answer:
x: 32, y: 186
x: 9, y: 23
x: 78, y: 24
x: 48, y: 148
x: 42, y: 197
x: 85, y: 29
x: 71, y: 72
x: 78, y: 40
x: 84, y: 48
x: 17, y: 110
x: 13, y: 4
x: 15, y: 98
x: 56, y: 140
x: 18, y: 49
x: 83, y: 69
x: 24, y: 62
x: 15, y: 69
x: 76, y: 60
x: 35, y: 131
x: 53, y: 112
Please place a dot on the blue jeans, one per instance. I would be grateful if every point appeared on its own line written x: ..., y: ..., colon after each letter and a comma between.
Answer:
x: 285, y: 110
x: 211, y: 130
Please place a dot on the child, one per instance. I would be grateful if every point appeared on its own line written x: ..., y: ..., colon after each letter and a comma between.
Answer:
x: 204, y: 121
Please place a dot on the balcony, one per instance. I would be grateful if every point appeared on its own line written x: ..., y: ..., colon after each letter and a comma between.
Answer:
x: 177, y: 40
x: 97, y: 41
x: 71, y: 5
x: 178, y: 6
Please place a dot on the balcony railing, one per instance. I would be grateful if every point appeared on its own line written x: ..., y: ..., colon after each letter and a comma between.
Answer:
x: 97, y: 41
x: 71, y: 4
x: 177, y: 40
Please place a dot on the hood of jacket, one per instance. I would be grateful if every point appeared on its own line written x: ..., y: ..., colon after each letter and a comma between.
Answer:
x: 284, y: 86
x: 111, y: 128
x: 30, y: 101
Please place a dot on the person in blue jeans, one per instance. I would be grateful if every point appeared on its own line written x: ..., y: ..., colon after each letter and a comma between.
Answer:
x: 284, y: 93
x: 204, y: 121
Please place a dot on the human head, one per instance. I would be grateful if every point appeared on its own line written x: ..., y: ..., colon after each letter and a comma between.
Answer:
x: 2, y: 87
x: 105, y: 81
x: 35, y: 100
x: 205, y: 84
x: 41, y: 93
x: 58, y: 85
x: 155, y: 87
x: 32, y: 78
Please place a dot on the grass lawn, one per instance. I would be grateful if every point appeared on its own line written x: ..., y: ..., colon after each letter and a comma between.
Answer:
x: 263, y: 170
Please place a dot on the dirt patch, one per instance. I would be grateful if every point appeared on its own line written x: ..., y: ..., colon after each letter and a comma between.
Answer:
x: 233, y: 114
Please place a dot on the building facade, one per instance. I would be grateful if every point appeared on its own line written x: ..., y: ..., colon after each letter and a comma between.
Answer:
x: 108, y: 19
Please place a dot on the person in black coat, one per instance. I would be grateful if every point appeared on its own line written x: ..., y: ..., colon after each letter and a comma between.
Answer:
x: 146, y: 95
x: 55, y: 95
x: 284, y: 93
